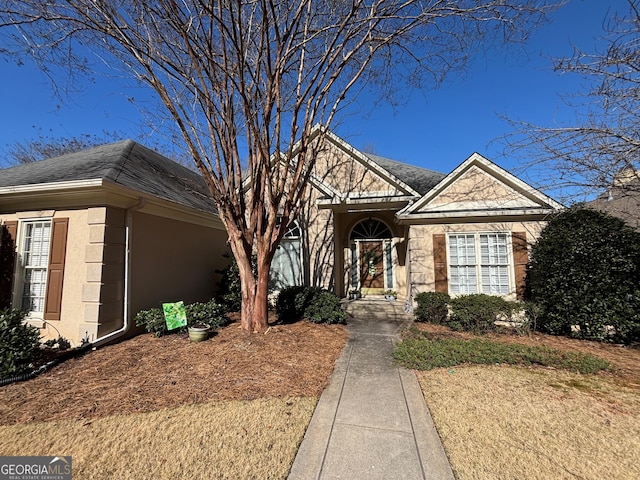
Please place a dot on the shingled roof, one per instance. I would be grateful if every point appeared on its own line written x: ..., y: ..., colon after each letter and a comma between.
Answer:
x: 420, y: 179
x: 125, y: 163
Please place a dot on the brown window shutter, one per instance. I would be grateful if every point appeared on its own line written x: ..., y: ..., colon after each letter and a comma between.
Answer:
x: 8, y: 234
x: 520, y: 260
x: 55, y: 276
x: 440, y: 262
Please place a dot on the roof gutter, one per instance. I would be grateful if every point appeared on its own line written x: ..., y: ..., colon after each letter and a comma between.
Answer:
x: 110, y: 337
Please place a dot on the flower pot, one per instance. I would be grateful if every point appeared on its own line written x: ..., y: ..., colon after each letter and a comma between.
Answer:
x: 198, y: 333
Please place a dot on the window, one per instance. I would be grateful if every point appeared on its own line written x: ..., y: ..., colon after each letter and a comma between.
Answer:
x: 34, y: 260
x: 286, y: 267
x: 479, y: 263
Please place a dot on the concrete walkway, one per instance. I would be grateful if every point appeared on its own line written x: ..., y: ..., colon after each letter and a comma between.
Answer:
x: 371, y: 421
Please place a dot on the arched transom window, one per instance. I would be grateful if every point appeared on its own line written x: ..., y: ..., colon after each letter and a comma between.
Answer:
x: 370, y: 229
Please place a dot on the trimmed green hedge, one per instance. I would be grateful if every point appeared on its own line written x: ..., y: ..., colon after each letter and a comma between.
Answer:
x: 313, y: 303
x: 585, y: 273
x: 433, y: 307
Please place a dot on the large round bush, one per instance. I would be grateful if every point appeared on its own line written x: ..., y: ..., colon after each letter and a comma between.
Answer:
x: 585, y: 276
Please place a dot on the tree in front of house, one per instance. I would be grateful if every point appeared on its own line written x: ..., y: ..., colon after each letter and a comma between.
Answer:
x: 585, y: 276
x: 252, y: 86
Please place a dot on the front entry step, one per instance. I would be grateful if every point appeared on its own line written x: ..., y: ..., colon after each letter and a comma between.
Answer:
x: 376, y: 308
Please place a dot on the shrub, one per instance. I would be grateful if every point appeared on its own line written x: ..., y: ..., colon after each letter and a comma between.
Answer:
x: 477, y: 312
x: 585, y: 272
x: 19, y: 343
x: 210, y: 313
x: 325, y: 307
x: 59, y: 343
x: 314, y: 303
x: 230, y: 293
x: 433, y: 307
x: 153, y: 321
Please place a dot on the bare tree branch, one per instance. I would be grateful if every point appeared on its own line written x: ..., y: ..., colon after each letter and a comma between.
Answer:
x: 252, y: 84
x: 585, y: 158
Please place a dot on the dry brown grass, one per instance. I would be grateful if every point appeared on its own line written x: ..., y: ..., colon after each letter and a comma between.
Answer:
x: 515, y: 423
x: 255, y: 439
x: 503, y: 422
x: 235, y: 406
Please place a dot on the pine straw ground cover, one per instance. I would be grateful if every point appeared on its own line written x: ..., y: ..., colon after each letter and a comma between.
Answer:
x: 526, y: 423
x: 234, y: 406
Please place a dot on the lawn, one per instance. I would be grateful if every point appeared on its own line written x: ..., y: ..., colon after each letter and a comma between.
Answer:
x: 532, y: 422
x: 237, y: 405
x: 233, y: 407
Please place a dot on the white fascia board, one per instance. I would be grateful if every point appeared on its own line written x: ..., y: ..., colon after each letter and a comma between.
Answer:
x: 104, y: 192
x: 409, y: 218
x: 489, y: 167
x: 50, y: 187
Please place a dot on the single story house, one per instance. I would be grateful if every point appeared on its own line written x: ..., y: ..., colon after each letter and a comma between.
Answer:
x: 92, y: 237
x: 371, y: 224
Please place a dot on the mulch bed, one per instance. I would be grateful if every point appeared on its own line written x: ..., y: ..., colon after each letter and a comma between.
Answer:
x: 145, y: 373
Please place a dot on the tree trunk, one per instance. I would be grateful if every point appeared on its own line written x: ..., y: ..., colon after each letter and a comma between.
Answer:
x: 254, y: 311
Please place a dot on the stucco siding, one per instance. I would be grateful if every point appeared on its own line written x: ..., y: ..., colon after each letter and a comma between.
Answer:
x: 421, y: 248
x: 173, y: 261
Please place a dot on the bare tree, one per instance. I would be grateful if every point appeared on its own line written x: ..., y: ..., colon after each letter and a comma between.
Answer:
x: 252, y: 85
x: 601, y: 150
x: 44, y: 146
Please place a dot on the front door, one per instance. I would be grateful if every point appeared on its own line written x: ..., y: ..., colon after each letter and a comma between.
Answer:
x: 372, y: 267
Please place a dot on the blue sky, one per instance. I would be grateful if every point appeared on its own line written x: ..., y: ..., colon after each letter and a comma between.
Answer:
x: 436, y: 129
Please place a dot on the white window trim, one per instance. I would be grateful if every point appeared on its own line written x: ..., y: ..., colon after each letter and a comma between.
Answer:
x: 289, y: 237
x: 478, y: 264
x: 33, y: 317
x: 387, y: 262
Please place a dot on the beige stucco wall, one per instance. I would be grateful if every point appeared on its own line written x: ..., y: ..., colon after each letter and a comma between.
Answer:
x: 72, y: 309
x: 173, y: 261
x: 337, y: 167
x: 476, y: 188
x: 422, y: 276
x: 328, y: 231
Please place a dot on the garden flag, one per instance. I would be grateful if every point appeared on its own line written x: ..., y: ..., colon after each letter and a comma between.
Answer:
x: 174, y: 315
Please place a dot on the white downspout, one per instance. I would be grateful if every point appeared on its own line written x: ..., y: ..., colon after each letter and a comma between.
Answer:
x: 408, y: 302
x: 109, y: 337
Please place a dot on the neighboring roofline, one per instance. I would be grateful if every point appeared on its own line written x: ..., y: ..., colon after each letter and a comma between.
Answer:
x: 488, y: 166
